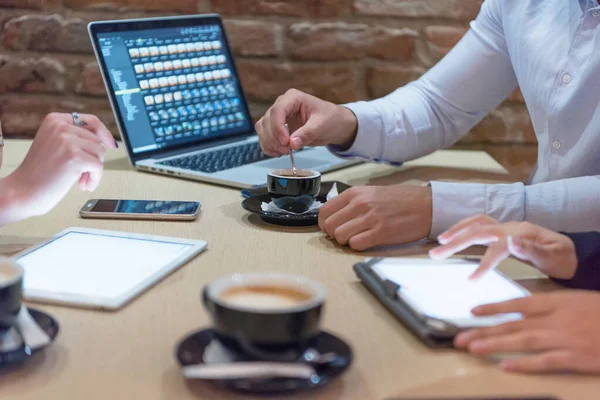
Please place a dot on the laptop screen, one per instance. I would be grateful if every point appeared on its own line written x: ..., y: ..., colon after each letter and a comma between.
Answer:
x: 173, y: 85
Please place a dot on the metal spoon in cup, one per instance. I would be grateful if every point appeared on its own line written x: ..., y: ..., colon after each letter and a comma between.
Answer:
x: 294, y: 171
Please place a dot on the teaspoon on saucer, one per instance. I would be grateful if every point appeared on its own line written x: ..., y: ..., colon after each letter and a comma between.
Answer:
x: 248, y: 370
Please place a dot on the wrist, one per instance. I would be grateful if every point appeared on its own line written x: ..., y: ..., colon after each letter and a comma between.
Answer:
x: 349, y: 128
x: 572, y: 260
x: 12, y: 200
x: 428, y: 207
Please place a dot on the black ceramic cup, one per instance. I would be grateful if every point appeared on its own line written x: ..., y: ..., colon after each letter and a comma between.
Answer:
x: 265, y: 312
x: 11, y: 287
x: 294, y: 193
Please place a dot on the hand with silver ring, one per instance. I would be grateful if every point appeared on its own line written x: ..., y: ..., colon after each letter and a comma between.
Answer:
x: 77, y: 120
x: 67, y: 148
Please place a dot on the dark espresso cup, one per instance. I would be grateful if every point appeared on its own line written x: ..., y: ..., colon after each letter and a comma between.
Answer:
x: 295, y: 193
x: 11, y: 288
x: 265, y: 313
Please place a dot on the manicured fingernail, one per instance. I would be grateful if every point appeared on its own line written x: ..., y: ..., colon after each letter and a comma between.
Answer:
x: 436, y: 253
x: 515, y: 244
x: 116, y: 144
x: 297, y: 142
x: 510, y: 241
x: 443, y: 239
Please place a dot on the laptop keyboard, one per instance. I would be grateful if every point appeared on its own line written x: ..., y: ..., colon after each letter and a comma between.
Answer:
x: 220, y: 160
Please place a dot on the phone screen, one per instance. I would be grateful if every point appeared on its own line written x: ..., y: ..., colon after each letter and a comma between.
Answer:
x: 145, y: 207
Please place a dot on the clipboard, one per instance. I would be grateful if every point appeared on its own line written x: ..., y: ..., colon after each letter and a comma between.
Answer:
x: 434, y: 333
x: 427, y: 325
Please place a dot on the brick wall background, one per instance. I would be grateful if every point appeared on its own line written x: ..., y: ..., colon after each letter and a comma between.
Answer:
x: 340, y: 50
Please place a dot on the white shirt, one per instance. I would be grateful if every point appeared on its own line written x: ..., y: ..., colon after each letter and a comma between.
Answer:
x: 551, y: 49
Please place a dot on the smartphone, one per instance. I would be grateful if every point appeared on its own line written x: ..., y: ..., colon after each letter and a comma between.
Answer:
x: 140, y: 209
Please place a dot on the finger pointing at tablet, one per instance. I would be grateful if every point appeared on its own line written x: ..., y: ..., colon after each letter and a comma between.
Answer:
x: 548, y: 251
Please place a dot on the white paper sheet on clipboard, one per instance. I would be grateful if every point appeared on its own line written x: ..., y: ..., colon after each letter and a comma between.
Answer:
x: 442, y: 290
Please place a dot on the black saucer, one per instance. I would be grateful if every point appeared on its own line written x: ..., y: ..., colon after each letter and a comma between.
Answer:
x: 253, y: 205
x: 191, y: 351
x: 12, y: 358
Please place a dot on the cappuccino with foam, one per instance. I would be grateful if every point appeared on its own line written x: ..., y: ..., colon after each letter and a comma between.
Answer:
x: 265, y: 297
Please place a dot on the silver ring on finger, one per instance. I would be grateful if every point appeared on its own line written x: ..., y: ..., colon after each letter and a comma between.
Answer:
x: 77, y: 119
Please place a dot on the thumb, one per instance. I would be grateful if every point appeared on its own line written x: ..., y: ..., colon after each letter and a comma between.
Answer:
x: 304, y: 136
x: 527, y: 250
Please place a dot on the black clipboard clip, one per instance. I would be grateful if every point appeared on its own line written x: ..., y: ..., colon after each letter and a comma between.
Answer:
x: 434, y: 332
x: 391, y: 289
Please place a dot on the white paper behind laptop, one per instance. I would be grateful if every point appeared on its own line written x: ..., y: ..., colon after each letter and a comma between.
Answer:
x: 100, y: 269
x: 442, y: 290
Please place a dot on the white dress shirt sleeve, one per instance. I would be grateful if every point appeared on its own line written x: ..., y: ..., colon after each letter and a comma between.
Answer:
x: 445, y: 103
x: 567, y: 205
x: 436, y: 110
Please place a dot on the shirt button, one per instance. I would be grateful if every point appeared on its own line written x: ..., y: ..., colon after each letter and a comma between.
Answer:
x: 596, y: 13
x: 556, y: 144
x: 566, y: 79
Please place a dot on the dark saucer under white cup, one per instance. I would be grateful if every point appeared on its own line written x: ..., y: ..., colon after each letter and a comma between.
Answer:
x: 255, y: 199
x: 23, y: 332
x: 267, y: 317
x: 198, y: 348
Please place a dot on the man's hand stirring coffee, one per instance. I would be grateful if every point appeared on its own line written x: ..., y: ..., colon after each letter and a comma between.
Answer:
x: 361, y: 217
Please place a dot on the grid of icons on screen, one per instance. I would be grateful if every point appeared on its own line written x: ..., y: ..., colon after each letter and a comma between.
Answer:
x: 187, y: 88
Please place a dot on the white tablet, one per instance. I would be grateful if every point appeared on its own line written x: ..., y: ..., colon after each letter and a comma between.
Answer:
x: 442, y: 290
x: 100, y: 269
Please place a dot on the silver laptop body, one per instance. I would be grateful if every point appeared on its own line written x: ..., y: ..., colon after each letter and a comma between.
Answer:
x: 179, y: 104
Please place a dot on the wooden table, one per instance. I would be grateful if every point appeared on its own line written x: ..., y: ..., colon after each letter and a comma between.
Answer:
x: 129, y: 354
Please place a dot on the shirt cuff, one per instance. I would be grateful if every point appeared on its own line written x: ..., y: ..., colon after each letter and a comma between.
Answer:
x: 453, y: 202
x: 587, y: 275
x: 369, y: 138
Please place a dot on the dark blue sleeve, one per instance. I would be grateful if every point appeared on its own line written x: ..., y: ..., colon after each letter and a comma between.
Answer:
x: 587, y: 276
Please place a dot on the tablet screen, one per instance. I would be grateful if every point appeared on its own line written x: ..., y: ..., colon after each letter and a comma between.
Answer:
x: 442, y: 290
x: 95, y: 265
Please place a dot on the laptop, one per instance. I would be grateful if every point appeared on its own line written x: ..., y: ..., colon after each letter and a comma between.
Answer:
x: 179, y: 103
